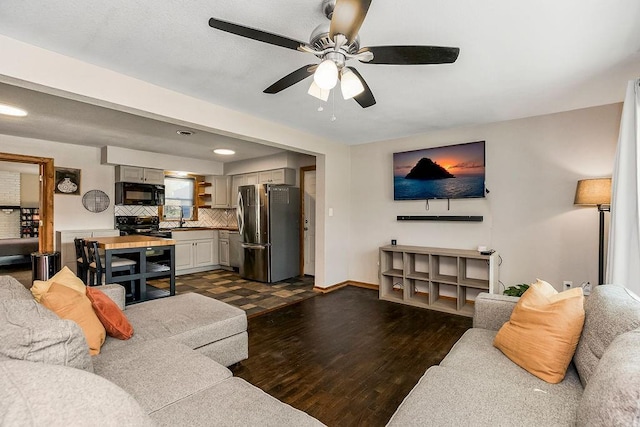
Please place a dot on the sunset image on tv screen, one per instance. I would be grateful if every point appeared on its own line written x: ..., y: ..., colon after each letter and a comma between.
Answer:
x: 451, y: 172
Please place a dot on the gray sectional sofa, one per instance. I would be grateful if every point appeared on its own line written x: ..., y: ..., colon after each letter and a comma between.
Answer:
x: 476, y: 385
x: 171, y: 372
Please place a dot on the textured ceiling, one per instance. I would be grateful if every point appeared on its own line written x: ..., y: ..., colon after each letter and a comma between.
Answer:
x: 517, y: 58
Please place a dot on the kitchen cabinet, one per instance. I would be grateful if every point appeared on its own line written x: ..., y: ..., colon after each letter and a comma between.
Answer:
x: 235, y: 249
x: 221, y: 197
x: 137, y: 174
x: 224, y: 248
x: 237, y: 181
x: 196, y: 250
x: 229, y: 248
x: 278, y: 176
x: 67, y: 249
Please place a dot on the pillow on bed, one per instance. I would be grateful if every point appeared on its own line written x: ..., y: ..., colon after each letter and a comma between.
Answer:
x: 64, y: 277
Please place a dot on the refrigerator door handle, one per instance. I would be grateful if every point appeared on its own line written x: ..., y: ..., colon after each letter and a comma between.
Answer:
x: 254, y: 246
x: 240, y: 214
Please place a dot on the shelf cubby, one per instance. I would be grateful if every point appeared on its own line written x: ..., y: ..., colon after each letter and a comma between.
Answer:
x: 442, y: 279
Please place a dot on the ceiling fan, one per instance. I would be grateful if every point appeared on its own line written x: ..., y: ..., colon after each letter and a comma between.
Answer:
x: 337, y: 43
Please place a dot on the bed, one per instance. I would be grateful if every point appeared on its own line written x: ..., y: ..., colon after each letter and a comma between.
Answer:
x: 17, y: 251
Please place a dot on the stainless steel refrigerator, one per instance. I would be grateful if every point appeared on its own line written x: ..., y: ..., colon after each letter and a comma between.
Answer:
x: 269, y: 226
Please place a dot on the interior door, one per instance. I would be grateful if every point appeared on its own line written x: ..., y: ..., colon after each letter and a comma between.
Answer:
x: 309, y: 217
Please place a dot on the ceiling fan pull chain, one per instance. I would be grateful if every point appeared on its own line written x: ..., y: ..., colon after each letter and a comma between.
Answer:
x: 333, y: 105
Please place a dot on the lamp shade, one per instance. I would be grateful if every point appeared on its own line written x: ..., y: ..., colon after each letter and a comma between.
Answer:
x: 326, y: 75
x: 318, y: 92
x: 593, y: 192
x: 350, y: 84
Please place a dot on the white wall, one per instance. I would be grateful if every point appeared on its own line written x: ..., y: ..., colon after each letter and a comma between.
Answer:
x: 69, y: 214
x: 532, y: 166
x: 32, y: 67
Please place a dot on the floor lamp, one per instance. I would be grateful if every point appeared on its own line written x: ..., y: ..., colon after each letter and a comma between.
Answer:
x: 596, y: 192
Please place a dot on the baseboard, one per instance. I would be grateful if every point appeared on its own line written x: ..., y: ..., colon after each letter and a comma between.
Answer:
x: 346, y: 283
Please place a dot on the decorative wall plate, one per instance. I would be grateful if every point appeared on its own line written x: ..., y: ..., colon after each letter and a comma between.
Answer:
x: 95, y: 201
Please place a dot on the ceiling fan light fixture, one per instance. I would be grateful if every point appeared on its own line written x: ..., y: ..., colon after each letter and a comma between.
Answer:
x: 318, y: 92
x: 326, y: 75
x: 350, y: 84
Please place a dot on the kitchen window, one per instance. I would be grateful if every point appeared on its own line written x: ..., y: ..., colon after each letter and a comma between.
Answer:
x: 179, y: 199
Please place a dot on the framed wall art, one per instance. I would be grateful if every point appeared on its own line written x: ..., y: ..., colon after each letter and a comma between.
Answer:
x: 67, y: 181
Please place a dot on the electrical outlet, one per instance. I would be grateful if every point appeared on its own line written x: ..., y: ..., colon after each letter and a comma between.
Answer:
x: 567, y: 284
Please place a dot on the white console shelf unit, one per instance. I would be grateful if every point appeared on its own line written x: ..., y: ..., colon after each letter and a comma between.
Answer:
x: 436, y: 278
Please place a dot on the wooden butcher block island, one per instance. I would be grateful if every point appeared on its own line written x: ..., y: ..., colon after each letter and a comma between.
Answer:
x: 134, y: 241
x: 154, y: 256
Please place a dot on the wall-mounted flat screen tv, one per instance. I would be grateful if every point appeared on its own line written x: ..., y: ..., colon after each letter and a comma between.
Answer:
x: 450, y: 172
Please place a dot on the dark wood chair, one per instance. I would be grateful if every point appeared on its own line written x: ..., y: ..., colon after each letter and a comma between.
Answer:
x: 82, y: 261
x: 97, y: 267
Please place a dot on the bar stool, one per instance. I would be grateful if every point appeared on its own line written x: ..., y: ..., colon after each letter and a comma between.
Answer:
x: 82, y: 262
x: 97, y: 267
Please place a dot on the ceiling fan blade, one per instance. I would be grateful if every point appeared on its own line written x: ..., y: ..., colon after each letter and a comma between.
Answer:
x: 365, y: 99
x: 252, y: 33
x: 347, y: 18
x: 411, y: 55
x: 290, y: 79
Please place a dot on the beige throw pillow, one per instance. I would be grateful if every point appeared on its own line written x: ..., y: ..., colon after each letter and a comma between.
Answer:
x: 64, y: 277
x: 543, y: 331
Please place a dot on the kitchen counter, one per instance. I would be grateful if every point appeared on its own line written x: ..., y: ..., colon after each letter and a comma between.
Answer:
x: 132, y: 241
x: 200, y: 228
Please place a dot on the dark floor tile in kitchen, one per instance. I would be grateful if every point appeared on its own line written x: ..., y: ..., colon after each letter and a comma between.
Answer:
x: 254, y: 298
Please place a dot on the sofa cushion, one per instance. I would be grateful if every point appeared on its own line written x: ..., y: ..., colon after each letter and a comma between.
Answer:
x: 159, y: 372
x: 112, y: 318
x: 474, y: 352
x: 544, y: 329
x: 233, y: 402
x: 70, y: 304
x: 37, y: 394
x: 191, y: 319
x: 612, y: 396
x: 29, y: 331
x: 610, y: 310
x: 64, y: 277
x: 10, y: 288
x: 449, y: 397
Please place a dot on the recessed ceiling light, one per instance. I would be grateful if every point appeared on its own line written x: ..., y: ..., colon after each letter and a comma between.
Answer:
x: 184, y: 132
x: 12, y: 111
x: 224, y: 151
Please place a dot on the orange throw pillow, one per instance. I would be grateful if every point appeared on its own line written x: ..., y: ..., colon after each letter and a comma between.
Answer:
x: 543, y: 331
x: 70, y: 304
x: 112, y: 318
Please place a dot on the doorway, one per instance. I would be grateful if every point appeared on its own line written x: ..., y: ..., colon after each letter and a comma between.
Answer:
x: 308, y: 220
x: 46, y: 170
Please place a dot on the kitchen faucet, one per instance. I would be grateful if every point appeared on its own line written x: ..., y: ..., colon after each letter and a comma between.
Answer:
x: 182, y: 221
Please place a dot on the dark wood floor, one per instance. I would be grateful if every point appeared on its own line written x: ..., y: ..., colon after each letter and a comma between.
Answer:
x: 346, y: 357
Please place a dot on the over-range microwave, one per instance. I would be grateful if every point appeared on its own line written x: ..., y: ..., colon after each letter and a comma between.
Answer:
x: 131, y: 193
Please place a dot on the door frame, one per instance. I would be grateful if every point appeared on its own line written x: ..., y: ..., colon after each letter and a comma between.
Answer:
x: 302, y: 171
x: 46, y: 168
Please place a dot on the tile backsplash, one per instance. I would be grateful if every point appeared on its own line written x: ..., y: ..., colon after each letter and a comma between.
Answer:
x: 206, y: 217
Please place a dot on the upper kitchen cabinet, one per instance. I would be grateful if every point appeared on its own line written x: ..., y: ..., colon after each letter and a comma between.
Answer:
x: 278, y: 176
x: 239, y: 180
x: 136, y: 174
x: 221, y: 192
